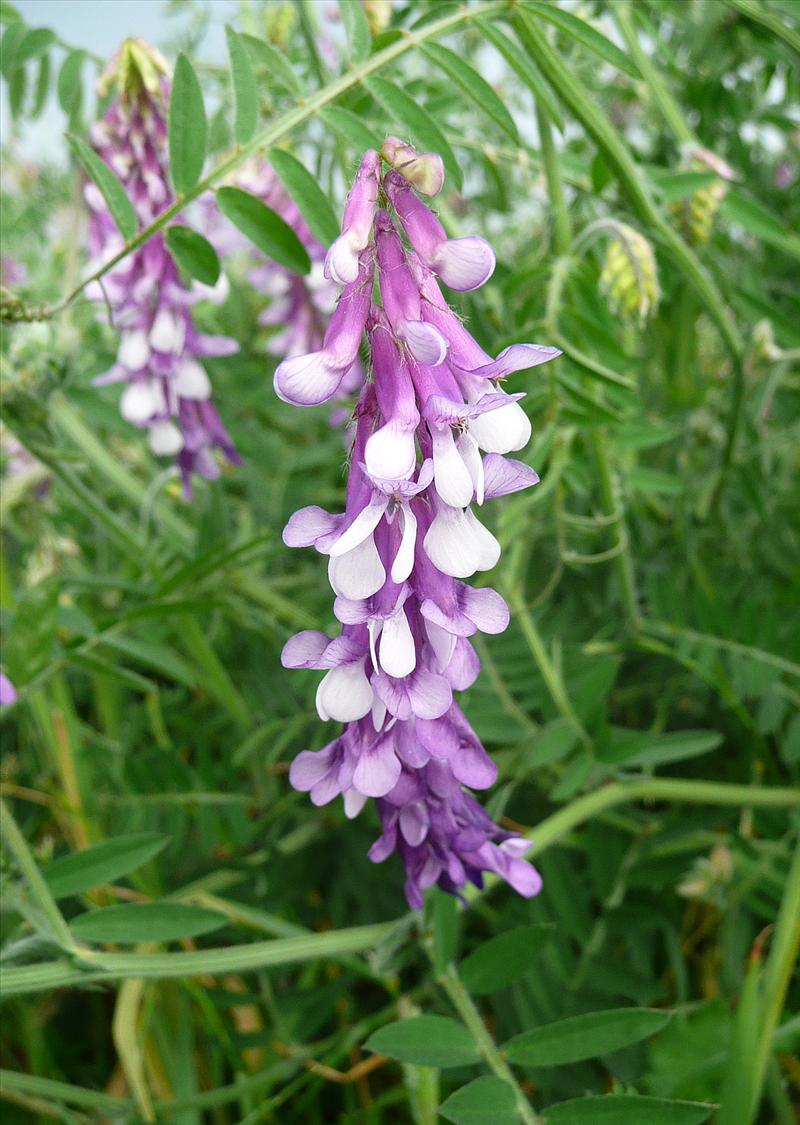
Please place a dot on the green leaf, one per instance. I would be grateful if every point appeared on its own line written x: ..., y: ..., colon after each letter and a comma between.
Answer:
x: 187, y: 128
x: 477, y: 89
x: 8, y: 13
x: 675, y: 186
x: 33, y: 43
x: 244, y: 88
x: 352, y: 128
x: 486, y: 1101
x: 758, y: 221
x: 426, y: 1041
x: 307, y: 194
x: 583, y: 33
x: 69, y: 89
x: 154, y: 655
x: 585, y: 1037
x: 654, y: 480
x: 675, y: 746
x: 194, y: 253
x: 444, y: 911
x: 504, y: 958
x: 626, y: 1109
x: 417, y: 122
x: 79, y: 871
x: 264, y: 228
x: 42, y: 86
x: 553, y: 742
x: 150, y: 921
x: 14, y: 34
x: 111, y: 189
x: 521, y: 65
x: 357, y: 28
x: 274, y: 64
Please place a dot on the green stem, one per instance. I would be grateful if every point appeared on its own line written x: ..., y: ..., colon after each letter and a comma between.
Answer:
x: 612, y: 506
x: 462, y: 1002
x: 669, y: 108
x: 284, y: 126
x: 675, y: 632
x: 96, y: 966
x: 562, y: 230
x: 780, y: 966
x: 555, y: 827
x: 684, y: 352
x: 40, y: 892
x: 772, y: 20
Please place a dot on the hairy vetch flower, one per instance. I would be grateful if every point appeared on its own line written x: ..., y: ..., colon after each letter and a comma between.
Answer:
x: 167, y: 390
x: 432, y: 432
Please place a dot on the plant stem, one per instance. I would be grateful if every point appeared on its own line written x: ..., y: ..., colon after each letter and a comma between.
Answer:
x: 18, y: 847
x: 95, y: 965
x: 555, y: 827
x: 562, y: 231
x: 462, y: 1002
x: 777, y: 974
x: 667, y: 105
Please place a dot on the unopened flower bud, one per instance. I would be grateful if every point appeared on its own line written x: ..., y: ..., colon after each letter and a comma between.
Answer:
x: 423, y: 170
x: 697, y: 213
x: 378, y: 13
x: 629, y: 278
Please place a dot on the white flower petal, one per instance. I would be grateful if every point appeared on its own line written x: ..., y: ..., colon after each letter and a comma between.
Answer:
x: 470, y: 455
x: 487, y: 545
x: 344, y: 693
x: 165, y: 439
x: 139, y: 402
x: 452, y: 477
x: 502, y: 430
x: 168, y: 332
x: 134, y: 351
x: 450, y: 543
x: 391, y: 452
x: 363, y: 525
x: 441, y: 642
x: 397, y: 651
x: 404, y: 559
x: 191, y: 380
x: 359, y: 573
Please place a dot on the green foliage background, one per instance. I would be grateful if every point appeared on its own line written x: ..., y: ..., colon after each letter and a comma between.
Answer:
x: 642, y: 706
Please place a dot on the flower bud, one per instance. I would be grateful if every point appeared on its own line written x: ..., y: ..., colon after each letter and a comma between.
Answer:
x: 423, y: 170
x: 629, y: 279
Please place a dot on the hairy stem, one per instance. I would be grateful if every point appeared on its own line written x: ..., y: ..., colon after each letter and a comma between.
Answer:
x: 462, y: 1002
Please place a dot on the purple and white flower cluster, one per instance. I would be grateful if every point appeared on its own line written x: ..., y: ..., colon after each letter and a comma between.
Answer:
x: 433, y: 428
x: 167, y: 390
